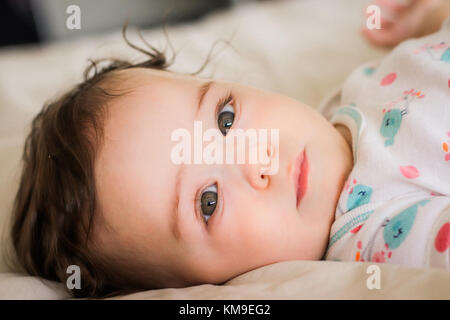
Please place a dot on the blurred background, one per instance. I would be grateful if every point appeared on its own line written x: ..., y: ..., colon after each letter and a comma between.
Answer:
x: 42, y: 21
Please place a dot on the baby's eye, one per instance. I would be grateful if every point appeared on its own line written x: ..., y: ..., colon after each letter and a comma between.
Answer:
x: 225, y: 118
x: 208, y: 201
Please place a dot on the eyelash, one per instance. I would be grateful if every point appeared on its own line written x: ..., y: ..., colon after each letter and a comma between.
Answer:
x: 226, y: 99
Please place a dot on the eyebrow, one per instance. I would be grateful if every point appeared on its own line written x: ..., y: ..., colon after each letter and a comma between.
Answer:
x: 202, y: 91
x: 175, y: 216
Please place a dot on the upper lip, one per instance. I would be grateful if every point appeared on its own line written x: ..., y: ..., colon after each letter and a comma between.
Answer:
x: 297, y: 174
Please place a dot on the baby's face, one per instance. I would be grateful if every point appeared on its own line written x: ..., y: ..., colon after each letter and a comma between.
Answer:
x: 207, y: 223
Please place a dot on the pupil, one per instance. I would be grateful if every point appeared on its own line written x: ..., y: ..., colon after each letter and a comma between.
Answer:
x: 208, y: 202
x: 225, y: 121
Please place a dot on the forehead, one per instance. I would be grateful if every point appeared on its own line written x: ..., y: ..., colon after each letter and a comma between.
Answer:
x: 154, y: 100
x: 134, y: 173
x: 137, y: 77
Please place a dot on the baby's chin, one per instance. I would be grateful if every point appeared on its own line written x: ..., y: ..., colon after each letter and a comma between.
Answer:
x: 326, y: 178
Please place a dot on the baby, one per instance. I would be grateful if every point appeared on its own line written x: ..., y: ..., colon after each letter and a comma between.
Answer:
x: 367, y: 180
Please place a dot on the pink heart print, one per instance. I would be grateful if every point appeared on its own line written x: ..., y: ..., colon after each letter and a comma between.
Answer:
x: 409, y: 172
x: 442, y: 241
x: 389, y: 79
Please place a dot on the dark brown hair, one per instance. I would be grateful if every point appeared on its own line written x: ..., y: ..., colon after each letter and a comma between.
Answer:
x: 56, y: 200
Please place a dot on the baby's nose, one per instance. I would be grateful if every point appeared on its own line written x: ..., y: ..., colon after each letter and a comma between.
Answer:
x: 258, y: 172
x: 254, y: 176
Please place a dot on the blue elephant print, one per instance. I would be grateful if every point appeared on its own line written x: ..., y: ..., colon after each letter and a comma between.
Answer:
x: 397, y: 229
x: 393, y: 116
x: 359, y: 195
x: 446, y: 56
x: 390, y: 125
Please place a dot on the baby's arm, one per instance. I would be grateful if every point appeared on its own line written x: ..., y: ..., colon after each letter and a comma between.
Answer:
x: 416, y: 19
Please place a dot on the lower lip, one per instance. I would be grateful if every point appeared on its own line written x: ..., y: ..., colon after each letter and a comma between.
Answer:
x: 302, y: 182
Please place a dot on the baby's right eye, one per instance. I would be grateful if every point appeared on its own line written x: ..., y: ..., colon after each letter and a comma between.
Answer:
x: 225, y: 119
x: 225, y: 114
x: 208, y: 201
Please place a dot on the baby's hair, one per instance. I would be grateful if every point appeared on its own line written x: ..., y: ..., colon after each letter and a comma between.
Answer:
x: 55, y: 204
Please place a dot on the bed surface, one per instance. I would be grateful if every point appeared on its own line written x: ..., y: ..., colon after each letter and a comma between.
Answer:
x: 303, y: 49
